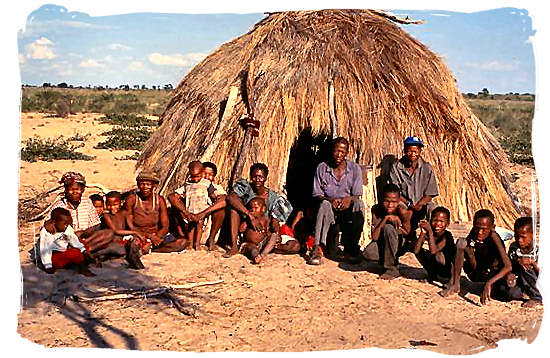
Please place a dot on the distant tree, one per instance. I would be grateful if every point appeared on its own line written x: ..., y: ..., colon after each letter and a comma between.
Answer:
x: 168, y: 87
x: 46, y: 84
x: 62, y: 85
x: 136, y: 87
x: 485, y: 91
x: 154, y: 87
x: 143, y: 87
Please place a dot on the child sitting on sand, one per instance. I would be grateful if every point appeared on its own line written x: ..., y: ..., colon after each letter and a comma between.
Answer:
x: 59, y: 245
x: 258, y: 243
x: 524, y: 255
x: 483, y: 256
x: 438, y: 260
x: 133, y: 241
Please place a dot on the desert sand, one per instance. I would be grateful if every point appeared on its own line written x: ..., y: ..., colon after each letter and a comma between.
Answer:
x: 281, y: 305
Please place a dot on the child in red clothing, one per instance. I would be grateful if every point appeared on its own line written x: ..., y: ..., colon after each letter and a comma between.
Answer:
x: 59, y: 245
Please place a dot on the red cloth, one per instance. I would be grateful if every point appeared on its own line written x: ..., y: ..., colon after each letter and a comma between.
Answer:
x: 61, y: 259
x: 286, y: 230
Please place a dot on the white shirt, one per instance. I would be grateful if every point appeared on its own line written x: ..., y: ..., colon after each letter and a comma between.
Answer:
x: 57, y: 242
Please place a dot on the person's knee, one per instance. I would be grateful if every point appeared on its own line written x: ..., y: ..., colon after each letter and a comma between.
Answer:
x: 461, y: 244
x: 325, y: 206
x: 389, y: 230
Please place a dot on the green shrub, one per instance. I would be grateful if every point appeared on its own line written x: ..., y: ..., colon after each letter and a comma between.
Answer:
x: 51, y: 149
x: 125, y: 138
x: 127, y: 120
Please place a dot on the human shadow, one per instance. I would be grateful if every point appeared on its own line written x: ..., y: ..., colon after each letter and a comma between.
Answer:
x: 384, y: 177
x: 61, y: 290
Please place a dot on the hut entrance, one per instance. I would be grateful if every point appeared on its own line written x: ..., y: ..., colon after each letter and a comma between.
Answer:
x: 305, y: 154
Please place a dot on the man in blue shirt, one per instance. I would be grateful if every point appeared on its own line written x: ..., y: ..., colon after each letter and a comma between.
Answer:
x: 338, y: 185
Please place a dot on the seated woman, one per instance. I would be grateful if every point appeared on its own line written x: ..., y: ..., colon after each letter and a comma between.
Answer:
x: 86, y: 222
x: 147, y: 214
x: 277, y: 207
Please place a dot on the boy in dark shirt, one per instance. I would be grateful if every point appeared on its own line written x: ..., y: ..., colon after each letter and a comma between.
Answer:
x: 483, y: 257
x: 524, y: 254
x: 438, y: 260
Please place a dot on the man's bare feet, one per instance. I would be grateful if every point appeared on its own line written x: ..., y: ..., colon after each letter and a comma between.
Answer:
x: 233, y: 251
x: 531, y: 303
x: 453, y: 289
x: 258, y: 259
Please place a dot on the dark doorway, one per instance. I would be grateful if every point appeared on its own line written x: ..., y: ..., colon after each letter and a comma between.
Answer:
x: 306, y: 153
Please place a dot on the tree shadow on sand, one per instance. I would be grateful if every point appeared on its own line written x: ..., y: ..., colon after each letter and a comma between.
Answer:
x: 58, y: 290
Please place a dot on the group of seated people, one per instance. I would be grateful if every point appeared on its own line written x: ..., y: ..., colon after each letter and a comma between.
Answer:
x: 80, y: 231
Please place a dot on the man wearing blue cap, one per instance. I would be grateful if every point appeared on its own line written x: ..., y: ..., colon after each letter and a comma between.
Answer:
x: 416, y: 179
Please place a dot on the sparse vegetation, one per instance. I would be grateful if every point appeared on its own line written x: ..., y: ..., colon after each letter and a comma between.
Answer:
x: 46, y: 99
x: 134, y: 156
x: 125, y: 138
x: 128, y: 120
x: 51, y: 149
x: 508, y: 116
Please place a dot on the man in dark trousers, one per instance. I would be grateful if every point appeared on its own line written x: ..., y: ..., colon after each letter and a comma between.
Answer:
x: 338, y: 186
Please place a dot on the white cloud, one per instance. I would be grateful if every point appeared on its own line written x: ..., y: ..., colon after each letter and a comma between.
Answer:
x: 135, y: 66
x: 494, y: 66
x: 116, y: 47
x: 41, y: 49
x: 91, y: 64
x: 530, y: 39
x: 185, y: 60
x: 440, y: 15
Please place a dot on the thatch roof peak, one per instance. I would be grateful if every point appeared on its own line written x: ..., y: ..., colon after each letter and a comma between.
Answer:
x: 352, y: 73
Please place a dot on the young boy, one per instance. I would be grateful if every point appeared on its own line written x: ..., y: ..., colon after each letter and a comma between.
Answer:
x: 524, y: 255
x: 391, y: 223
x: 258, y: 243
x: 59, y: 245
x: 196, y: 192
x: 97, y: 201
x: 116, y: 220
x: 483, y: 257
x: 438, y: 260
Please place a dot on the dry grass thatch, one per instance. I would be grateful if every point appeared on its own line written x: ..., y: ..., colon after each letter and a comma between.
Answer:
x: 349, y: 73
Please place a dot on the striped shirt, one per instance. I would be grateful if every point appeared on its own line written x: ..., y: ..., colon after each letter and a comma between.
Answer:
x: 84, y: 216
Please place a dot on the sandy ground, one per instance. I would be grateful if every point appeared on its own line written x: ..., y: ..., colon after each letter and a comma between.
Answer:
x: 280, y: 305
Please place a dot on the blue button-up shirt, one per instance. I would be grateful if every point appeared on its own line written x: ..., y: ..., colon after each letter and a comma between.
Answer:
x: 350, y: 184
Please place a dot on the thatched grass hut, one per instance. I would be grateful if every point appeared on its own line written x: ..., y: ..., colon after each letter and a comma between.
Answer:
x: 313, y: 75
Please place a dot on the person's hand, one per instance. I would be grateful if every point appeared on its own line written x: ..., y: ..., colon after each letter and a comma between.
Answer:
x: 526, y: 262
x: 155, y: 239
x: 336, y: 204
x: 200, y: 216
x: 417, y: 207
x: 88, y: 257
x: 486, y: 294
x: 50, y: 270
x: 424, y: 226
x: 394, y: 219
x: 346, y: 202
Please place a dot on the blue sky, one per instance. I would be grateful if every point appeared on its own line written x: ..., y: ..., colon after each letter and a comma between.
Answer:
x: 489, y: 49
